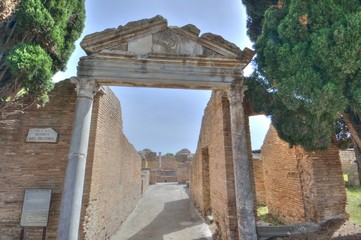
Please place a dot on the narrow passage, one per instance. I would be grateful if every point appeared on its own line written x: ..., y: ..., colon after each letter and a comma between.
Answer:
x: 164, y: 213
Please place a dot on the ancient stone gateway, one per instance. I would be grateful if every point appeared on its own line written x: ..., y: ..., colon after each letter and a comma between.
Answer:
x: 148, y: 53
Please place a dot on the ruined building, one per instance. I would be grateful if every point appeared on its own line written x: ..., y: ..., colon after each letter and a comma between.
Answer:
x: 112, y: 180
x: 297, y: 186
x: 164, y: 168
x: 90, y: 148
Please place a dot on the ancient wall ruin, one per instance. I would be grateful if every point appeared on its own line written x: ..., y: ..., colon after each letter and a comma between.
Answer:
x: 297, y: 186
x: 145, y: 175
x: 112, y: 185
x: 34, y: 165
x: 167, y: 168
x: 115, y: 178
x: 347, y: 157
x: 212, y: 179
x: 302, y: 186
x: 183, y: 172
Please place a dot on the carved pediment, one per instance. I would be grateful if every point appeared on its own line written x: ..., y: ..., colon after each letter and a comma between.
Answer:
x: 155, y: 36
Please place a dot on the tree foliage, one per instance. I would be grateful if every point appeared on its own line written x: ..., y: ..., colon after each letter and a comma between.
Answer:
x: 36, y: 42
x: 308, y: 55
x: 255, y: 11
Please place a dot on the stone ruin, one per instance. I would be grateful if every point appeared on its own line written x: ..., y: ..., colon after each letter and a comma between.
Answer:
x: 349, y: 166
x: 112, y: 179
x: 297, y: 186
x: 165, y: 168
x: 151, y: 54
x: 301, y: 186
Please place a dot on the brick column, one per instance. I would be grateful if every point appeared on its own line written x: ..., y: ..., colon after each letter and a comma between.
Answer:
x: 74, y: 177
x: 241, y: 164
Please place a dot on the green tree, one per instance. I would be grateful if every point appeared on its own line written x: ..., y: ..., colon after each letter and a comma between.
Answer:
x: 308, y: 57
x: 36, y: 42
x: 255, y: 11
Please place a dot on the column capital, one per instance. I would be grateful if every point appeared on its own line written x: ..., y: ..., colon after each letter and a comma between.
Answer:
x: 85, y: 87
x: 235, y: 92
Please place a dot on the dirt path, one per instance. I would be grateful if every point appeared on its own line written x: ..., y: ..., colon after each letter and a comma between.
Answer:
x: 165, y: 212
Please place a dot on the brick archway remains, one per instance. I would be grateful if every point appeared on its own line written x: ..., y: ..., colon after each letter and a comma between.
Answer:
x: 148, y: 53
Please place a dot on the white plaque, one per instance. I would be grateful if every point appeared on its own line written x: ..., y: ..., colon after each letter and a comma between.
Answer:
x: 47, y: 135
x: 36, y: 208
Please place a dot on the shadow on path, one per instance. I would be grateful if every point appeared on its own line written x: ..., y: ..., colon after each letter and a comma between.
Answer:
x: 176, y: 216
x: 164, y: 213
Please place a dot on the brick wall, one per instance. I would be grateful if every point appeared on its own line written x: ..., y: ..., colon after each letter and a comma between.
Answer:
x: 153, y: 176
x: 145, y: 179
x: 166, y: 176
x: 149, y: 159
x: 323, y: 185
x: 212, y: 181
x: 115, y: 175
x: 259, y: 181
x: 113, y: 166
x: 347, y: 157
x: 168, y: 163
x: 301, y: 185
x: 34, y: 165
x: 183, y: 171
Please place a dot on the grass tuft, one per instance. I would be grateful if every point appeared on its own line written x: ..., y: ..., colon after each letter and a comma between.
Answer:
x: 353, y: 206
x: 265, y: 216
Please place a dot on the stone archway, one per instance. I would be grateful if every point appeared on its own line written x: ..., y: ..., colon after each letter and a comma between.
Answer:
x: 148, y: 53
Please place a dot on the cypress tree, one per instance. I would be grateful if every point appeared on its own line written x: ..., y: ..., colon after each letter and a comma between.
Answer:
x: 308, y: 63
x: 36, y: 42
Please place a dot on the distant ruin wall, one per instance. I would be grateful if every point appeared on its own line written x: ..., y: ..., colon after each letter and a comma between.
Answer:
x: 153, y: 176
x: 112, y: 184
x: 167, y: 168
x: 302, y: 186
x: 168, y: 163
x: 212, y: 188
x: 145, y: 179
x: 183, y: 171
x: 347, y: 157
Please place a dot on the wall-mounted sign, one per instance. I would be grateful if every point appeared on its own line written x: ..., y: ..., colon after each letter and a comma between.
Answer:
x: 36, y: 208
x: 47, y: 135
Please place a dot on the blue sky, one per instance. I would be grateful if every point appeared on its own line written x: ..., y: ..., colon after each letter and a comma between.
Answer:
x: 167, y: 120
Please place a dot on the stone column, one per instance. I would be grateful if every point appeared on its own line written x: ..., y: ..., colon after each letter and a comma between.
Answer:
x: 241, y: 164
x: 71, y: 202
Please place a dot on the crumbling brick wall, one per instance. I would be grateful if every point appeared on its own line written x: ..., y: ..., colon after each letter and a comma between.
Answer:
x: 302, y: 186
x: 113, y: 166
x: 212, y: 179
x: 149, y: 159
